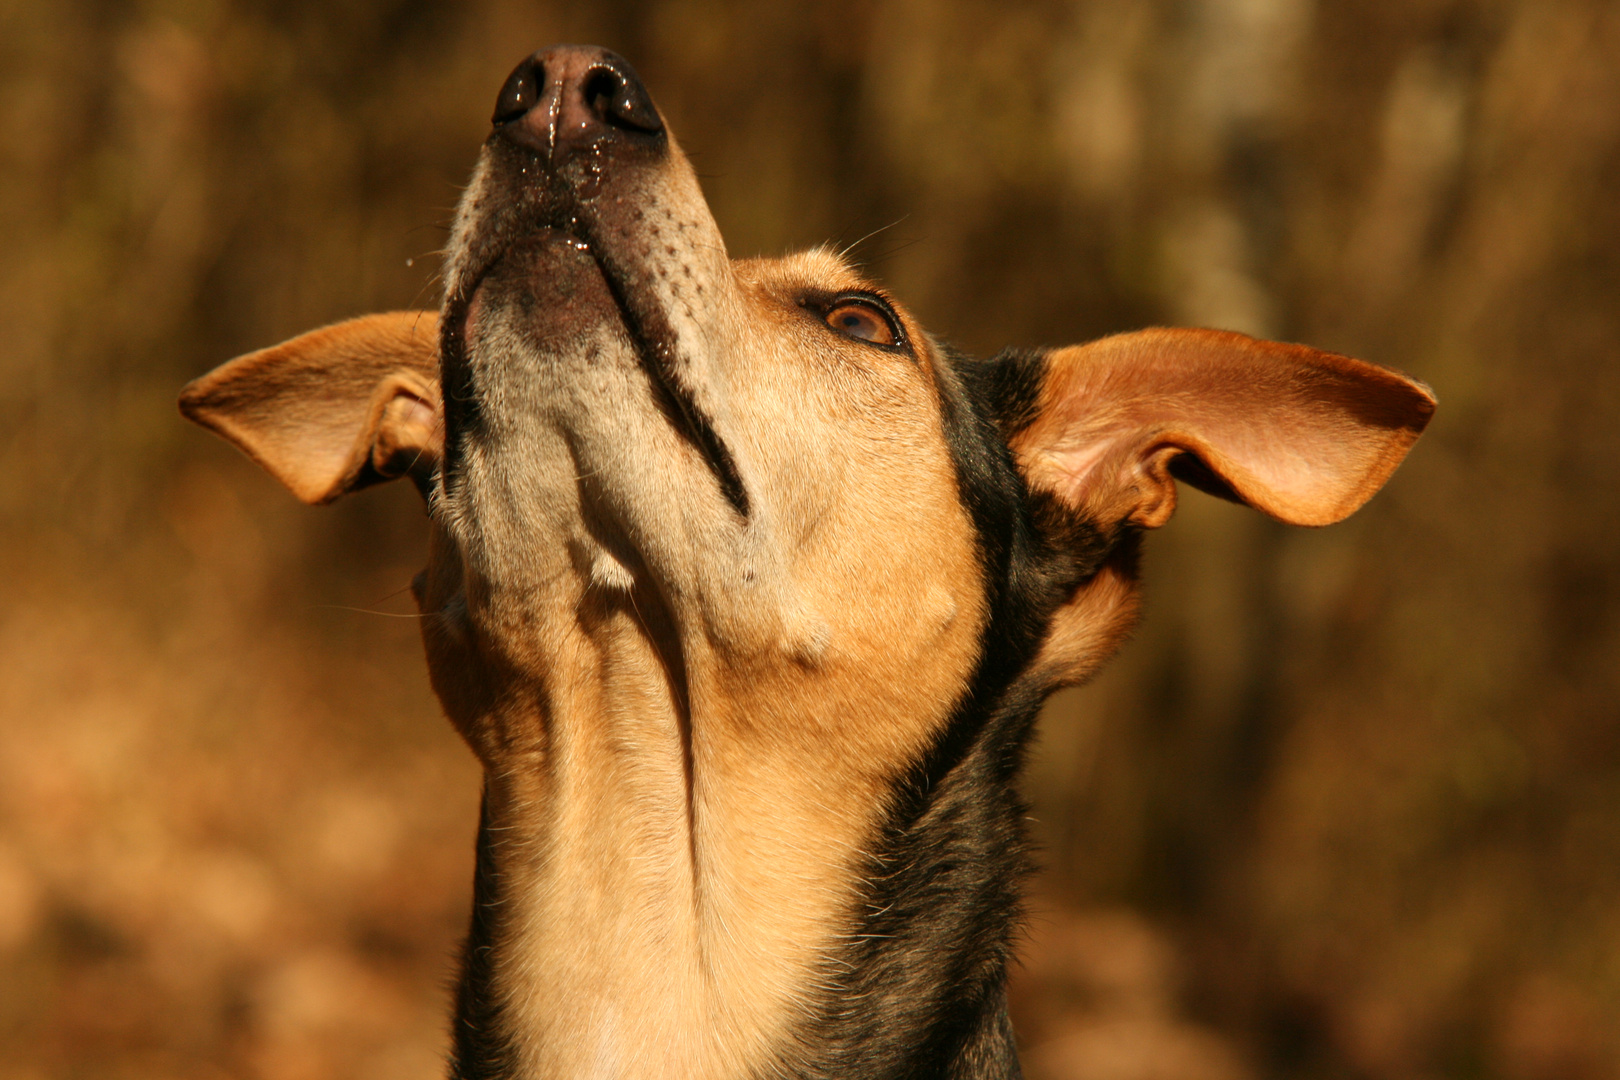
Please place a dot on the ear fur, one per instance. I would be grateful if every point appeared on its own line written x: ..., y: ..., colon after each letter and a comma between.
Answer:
x: 1303, y: 435
x: 335, y: 409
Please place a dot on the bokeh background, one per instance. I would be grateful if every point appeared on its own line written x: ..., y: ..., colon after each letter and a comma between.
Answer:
x: 1348, y: 805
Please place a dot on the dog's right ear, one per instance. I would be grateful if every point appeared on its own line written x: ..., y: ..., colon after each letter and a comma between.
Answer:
x: 335, y: 409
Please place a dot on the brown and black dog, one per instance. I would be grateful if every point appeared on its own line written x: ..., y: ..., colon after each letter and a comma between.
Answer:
x: 745, y: 593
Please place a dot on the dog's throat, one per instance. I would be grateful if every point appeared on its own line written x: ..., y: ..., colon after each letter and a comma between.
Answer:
x: 668, y: 883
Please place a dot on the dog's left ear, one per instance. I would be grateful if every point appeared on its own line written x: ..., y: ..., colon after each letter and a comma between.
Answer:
x: 1303, y: 435
x: 335, y: 409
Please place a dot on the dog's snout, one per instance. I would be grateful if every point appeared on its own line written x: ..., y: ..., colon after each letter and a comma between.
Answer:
x: 572, y: 94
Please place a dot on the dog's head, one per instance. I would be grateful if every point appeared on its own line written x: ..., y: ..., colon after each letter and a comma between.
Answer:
x: 799, y: 491
x: 745, y: 589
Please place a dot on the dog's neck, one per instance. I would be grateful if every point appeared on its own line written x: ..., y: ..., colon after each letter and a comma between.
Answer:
x: 677, y: 837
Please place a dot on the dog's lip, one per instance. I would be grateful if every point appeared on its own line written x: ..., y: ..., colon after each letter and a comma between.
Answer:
x: 654, y: 350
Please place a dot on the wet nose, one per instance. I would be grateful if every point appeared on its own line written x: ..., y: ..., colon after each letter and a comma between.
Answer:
x: 573, y: 94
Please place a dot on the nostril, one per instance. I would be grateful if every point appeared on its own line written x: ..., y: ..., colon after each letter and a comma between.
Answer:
x: 520, y: 93
x: 618, y: 99
x: 602, y: 87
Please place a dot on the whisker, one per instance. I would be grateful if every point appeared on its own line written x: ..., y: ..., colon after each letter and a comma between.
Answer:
x: 371, y: 611
x: 402, y: 589
x: 844, y: 254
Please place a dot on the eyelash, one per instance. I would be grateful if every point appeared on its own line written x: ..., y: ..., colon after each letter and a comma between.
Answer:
x: 869, y: 302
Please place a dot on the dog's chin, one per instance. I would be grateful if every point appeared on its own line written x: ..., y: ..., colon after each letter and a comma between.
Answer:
x: 549, y: 294
x: 548, y: 288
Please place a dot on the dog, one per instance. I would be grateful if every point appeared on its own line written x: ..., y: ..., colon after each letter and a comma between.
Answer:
x: 745, y: 592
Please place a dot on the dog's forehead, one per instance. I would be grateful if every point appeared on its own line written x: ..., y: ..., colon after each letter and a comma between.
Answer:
x: 817, y: 272
x: 821, y: 273
x: 817, y: 268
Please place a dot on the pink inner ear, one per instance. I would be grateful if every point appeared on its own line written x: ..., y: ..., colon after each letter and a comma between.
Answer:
x: 1303, y: 435
x: 415, y: 411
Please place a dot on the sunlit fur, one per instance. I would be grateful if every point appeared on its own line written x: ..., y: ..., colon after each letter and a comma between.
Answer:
x: 748, y: 620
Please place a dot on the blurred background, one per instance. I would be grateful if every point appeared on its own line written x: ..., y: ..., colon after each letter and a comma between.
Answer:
x: 1347, y: 806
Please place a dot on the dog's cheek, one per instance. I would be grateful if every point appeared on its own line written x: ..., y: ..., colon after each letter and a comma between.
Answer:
x: 460, y: 673
x: 1090, y: 628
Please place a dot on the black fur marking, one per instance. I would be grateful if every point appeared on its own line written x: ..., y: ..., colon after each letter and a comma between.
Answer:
x: 1010, y: 388
x: 461, y: 409
x: 479, y: 1048
x: 920, y: 989
x: 655, y: 344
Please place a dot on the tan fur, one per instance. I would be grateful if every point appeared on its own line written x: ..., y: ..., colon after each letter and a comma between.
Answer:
x: 292, y: 407
x: 1091, y: 627
x: 1304, y: 435
x: 689, y: 753
x: 692, y: 719
x: 683, y: 771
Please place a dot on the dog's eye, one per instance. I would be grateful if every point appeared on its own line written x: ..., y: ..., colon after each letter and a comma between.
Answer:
x: 863, y: 322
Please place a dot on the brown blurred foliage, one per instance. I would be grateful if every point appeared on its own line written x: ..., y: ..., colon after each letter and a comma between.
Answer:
x: 1349, y: 805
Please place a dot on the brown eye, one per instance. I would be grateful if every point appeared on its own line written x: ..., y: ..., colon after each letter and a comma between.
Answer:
x: 862, y: 323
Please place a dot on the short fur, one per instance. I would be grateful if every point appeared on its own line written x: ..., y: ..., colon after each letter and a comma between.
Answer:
x: 746, y: 592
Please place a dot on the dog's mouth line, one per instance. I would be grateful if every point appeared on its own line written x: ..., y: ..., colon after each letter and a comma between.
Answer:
x: 650, y: 335
x: 657, y: 350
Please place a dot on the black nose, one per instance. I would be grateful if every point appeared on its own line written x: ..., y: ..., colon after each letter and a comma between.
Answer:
x: 574, y: 93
